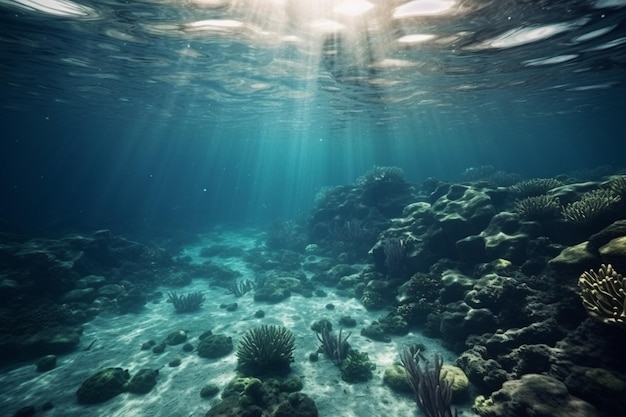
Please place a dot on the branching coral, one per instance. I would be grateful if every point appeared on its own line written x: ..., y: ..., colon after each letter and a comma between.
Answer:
x: 335, y: 347
x: 433, y: 392
x: 604, y: 295
x: 618, y: 186
x: 539, y: 207
x: 590, y: 207
x: 187, y: 302
x: 535, y: 186
x: 265, y: 350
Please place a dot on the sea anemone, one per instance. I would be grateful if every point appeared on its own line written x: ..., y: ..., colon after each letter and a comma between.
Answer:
x: 266, y: 350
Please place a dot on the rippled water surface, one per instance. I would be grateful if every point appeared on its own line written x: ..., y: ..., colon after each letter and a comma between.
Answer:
x: 301, y: 61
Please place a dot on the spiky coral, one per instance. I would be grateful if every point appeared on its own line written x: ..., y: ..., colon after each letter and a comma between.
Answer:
x: 187, y: 302
x: 604, y: 295
x: 266, y: 350
x: 539, y: 207
x: 535, y: 186
x: 592, y: 206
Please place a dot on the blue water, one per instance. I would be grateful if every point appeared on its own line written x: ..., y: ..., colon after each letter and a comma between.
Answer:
x: 158, y: 115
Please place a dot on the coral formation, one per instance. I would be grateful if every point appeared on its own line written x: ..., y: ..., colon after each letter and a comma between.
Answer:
x: 591, y: 207
x: 534, y: 187
x: 541, y: 207
x: 604, y: 295
x: 357, y: 367
x: 187, y: 302
x: 214, y: 345
x: 266, y: 350
x: 431, y: 389
x: 103, y: 386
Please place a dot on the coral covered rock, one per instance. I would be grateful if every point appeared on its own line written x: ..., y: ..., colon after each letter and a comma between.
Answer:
x: 215, y: 346
x: 533, y: 396
x: 103, y: 386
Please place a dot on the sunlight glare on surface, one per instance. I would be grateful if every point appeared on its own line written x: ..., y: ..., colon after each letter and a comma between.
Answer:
x: 423, y: 8
x: 52, y: 7
x: 353, y: 7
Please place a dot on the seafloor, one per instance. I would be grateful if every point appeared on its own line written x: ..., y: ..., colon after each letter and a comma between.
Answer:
x: 506, y: 279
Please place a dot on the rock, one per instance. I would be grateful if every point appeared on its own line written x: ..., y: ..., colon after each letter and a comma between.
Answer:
x: 505, y: 237
x: 574, y: 259
x: 395, y: 378
x: 615, y: 230
x: 209, y: 391
x: 143, y: 381
x: 91, y: 281
x: 103, y: 386
x: 614, y: 253
x: 463, y: 211
x: 533, y: 395
x: 376, y: 332
x: 297, y: 404
x: 484, y: 372
x: 461, y: 320
x: 455, y: 285
x: 471, y: 249
x: 79, y: 295
x: 46, y: 363
x: 111, y: 291
x: 27, y: 411
x: 604, y: 388
x: 176, y: 338
x: 215, y: 346
x: 277, y: 289
x: 55, y: 340
x: 459, y: 383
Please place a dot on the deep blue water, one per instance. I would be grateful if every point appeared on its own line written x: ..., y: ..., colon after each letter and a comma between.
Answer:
x: 157, y: 115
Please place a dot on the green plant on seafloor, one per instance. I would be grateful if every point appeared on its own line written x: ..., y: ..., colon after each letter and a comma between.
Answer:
x: 603, y: 294
x: 266, y: 349
x: 432, y: 391
x: 187, y: 302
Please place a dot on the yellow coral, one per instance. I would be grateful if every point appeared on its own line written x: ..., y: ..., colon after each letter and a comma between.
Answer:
x: 604, y: 295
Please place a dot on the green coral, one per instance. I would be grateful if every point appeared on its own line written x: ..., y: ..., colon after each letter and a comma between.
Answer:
x: 357, y: 367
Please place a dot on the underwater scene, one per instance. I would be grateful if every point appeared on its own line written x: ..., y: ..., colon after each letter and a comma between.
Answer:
x: 292, y: 208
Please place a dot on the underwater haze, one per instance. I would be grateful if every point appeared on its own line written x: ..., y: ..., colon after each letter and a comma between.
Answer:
x: 194, y: 113
x: 278, y: 208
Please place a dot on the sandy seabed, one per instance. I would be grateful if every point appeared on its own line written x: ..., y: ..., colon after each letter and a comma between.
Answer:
x: 118, y: 341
